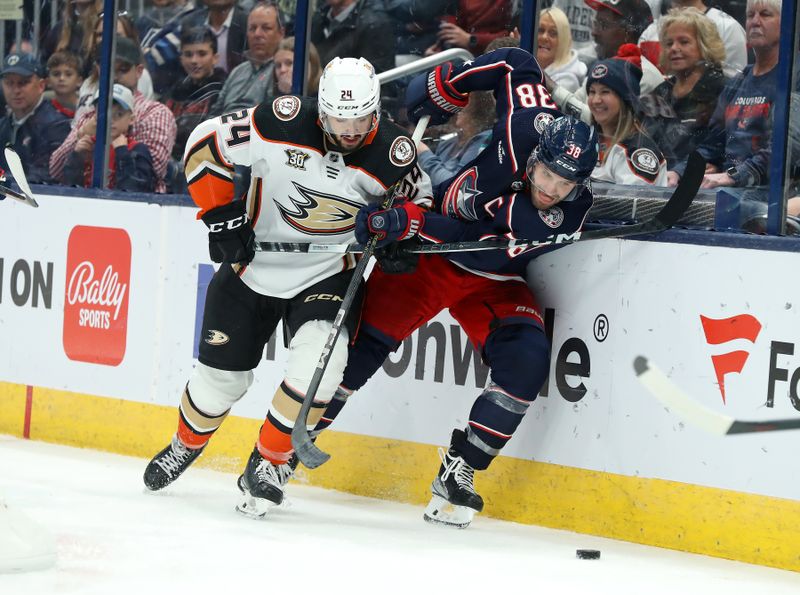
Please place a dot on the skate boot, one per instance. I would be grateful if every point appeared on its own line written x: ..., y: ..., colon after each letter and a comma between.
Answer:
x: 262, y: 484
x: 454, y: 501
x: 169, y: 464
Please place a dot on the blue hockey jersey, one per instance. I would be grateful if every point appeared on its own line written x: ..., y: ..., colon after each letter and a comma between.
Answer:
x: 524, y: 107
x: 507, y: 217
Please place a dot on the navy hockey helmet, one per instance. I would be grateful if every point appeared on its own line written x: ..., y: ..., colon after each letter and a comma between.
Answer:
x: 568, y: 148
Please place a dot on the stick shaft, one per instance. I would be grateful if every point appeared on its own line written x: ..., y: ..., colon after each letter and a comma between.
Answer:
x: 307, y: 452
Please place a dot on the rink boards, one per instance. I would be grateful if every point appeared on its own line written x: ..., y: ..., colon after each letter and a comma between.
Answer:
x: 100, y: 303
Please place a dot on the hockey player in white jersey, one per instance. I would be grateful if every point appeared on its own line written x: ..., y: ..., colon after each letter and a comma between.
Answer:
x: 314, y: 165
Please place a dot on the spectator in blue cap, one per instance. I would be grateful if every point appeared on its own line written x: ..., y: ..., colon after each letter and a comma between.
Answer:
x: 130, y: 164
x: 33, y: 127
x: 627, y: 154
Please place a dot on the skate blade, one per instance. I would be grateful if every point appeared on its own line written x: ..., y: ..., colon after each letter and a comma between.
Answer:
x: 441, y: 512
x: 254, y: 508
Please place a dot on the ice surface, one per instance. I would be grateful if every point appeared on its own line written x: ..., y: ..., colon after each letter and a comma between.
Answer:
x: 113, y: 538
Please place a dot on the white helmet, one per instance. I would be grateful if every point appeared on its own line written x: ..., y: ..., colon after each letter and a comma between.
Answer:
x: 349, y: 88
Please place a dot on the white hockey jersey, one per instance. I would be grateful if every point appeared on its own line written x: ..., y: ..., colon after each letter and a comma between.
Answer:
x: 635, y: 161
x: 302, y: 190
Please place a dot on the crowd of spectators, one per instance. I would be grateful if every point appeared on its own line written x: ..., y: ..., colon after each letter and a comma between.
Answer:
x: 659, y: 78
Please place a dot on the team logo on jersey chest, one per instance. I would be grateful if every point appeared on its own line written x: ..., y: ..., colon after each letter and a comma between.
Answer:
x: 645, y: 160
x: 402, y: 151
x: 542, y: 121
x: 318, y: 213
x: 297, y: 159
x: 286, y: 107
x: 552, y: 217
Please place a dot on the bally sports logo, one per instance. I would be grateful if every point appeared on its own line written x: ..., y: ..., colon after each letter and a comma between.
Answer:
x: 96, y: 295
x: 720, y: 331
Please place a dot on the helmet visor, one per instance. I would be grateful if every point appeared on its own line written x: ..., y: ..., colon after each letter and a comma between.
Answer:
x: 552, y: 187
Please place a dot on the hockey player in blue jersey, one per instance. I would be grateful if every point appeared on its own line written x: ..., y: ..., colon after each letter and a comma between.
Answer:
x: 518, y: 188
x: 523, y: 106
x: 485, y: 292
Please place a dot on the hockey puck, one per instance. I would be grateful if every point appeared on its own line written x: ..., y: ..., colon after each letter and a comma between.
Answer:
x: 587, y: 554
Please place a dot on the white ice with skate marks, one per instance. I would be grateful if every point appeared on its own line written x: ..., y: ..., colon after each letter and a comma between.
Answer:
x: 112, y: 537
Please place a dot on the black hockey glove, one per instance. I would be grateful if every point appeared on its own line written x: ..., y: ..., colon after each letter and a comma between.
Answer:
x: 395, y: 259
x: 230, y: 236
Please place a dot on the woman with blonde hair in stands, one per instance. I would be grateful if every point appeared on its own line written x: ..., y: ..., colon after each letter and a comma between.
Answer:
x: 71, y: 32
x: 554, y: 50
x: 627, y: 154
x: 678, y: 111
x: 284, y: 62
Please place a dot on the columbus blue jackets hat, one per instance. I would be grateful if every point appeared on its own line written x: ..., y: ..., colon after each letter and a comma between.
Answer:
x: 23, y: 64
x: 622, y: 74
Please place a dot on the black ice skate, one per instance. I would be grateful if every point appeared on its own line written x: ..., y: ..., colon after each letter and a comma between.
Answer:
x: 262, y: 484
x: 455, y: 501
x: 169, y: 464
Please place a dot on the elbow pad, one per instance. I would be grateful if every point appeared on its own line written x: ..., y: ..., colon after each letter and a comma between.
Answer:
x: 569, y: 104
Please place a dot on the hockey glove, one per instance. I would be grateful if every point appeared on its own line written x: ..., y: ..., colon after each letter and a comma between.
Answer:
x: 394, y: 259
x: 432, y: 94
x: 401, y: 222
x: 230, y: 236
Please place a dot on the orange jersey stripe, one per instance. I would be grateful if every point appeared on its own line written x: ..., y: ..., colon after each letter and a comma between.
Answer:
x: 209, y: 187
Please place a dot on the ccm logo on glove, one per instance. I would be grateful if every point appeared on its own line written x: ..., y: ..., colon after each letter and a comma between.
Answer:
x: 229, y: 224
x: 230, y: 235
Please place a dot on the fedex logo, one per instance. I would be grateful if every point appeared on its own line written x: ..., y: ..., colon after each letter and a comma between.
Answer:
x: 96, y: 295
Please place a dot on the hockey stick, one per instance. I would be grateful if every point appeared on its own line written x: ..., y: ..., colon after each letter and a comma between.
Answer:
x: 684, y: 406
x: 311, y: 456
x: 18, y: 173
x: 669, y: 214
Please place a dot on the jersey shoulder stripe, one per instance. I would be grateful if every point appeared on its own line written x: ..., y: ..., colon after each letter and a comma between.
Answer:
x: 388, y: 157
x: 209, y: 176
x: 289, y: 119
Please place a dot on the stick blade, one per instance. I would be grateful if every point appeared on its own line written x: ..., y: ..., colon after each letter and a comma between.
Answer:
x: 18, y: 173
x: 308, y: 453
x: 677, y: 401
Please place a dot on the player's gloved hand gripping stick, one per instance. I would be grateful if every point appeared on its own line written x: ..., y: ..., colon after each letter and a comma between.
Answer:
x: 311, y: 456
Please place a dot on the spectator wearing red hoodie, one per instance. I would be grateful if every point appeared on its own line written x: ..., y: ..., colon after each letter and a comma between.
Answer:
x: 468, y: 24
x: 130, y: 163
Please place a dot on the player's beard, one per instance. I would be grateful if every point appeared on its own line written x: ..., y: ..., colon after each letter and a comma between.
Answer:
x: 541, y: 200
x: 331, y: 139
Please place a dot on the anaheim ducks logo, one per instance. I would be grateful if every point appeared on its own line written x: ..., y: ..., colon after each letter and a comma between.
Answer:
x: 216, y: 337
x: 319, y: 214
